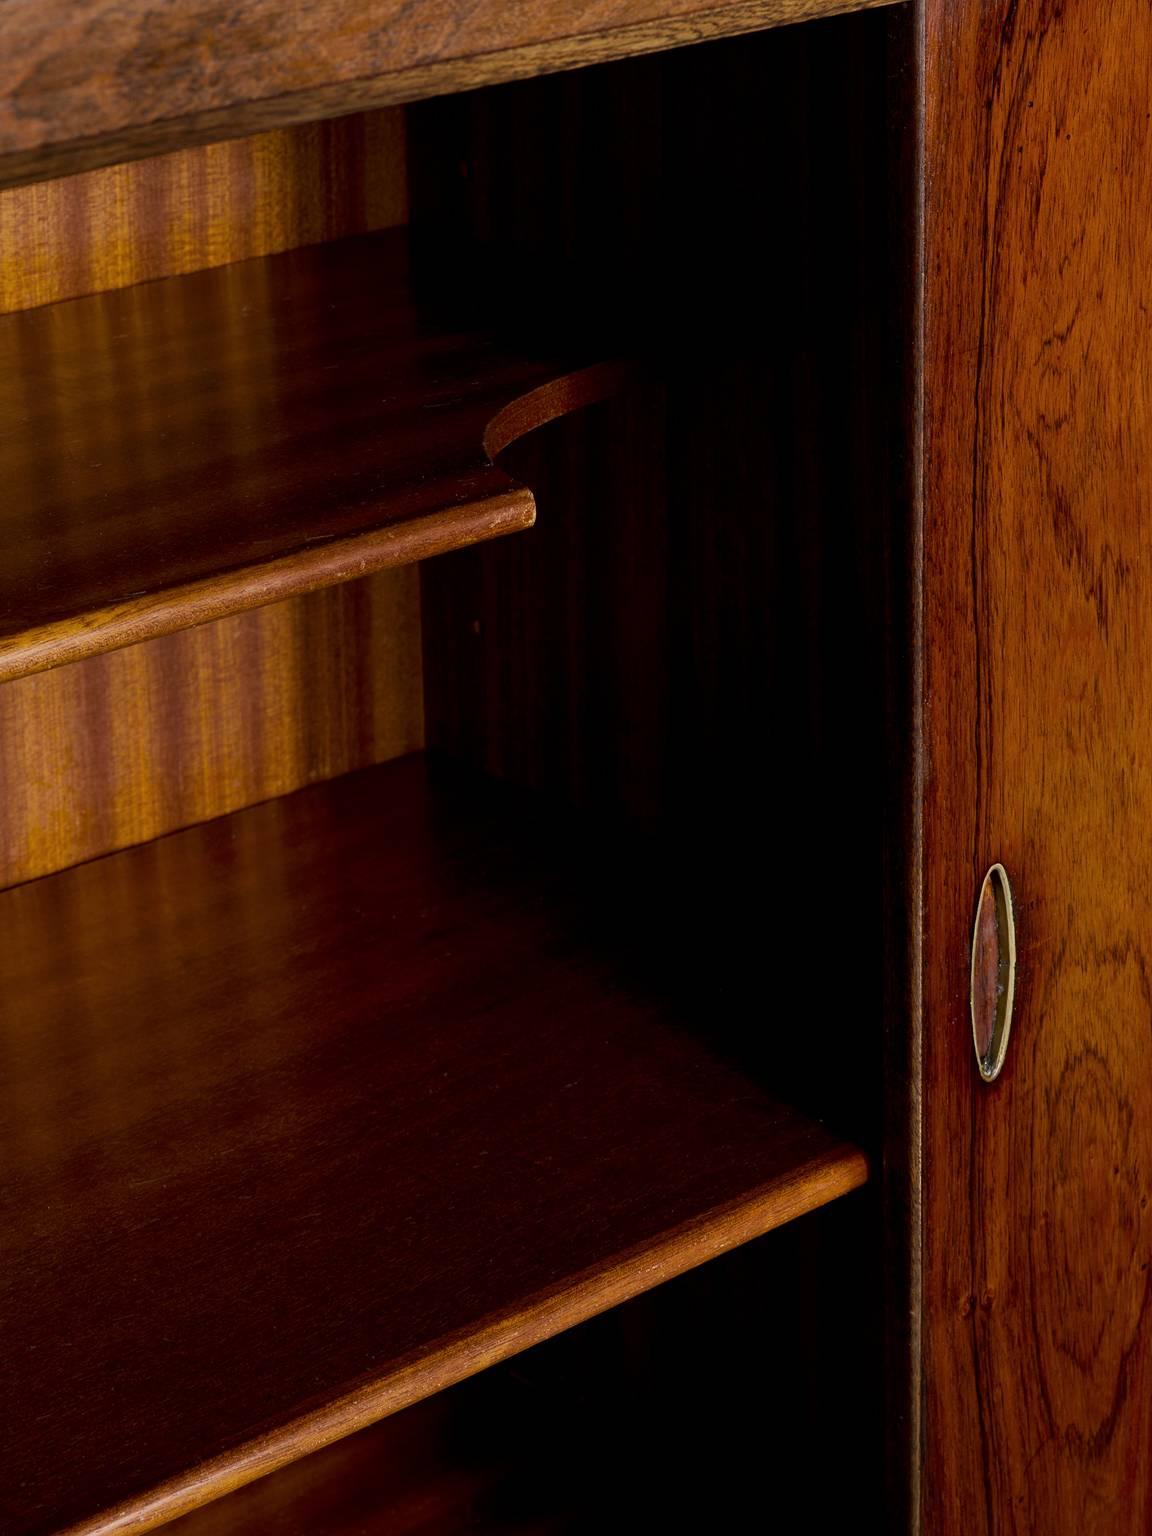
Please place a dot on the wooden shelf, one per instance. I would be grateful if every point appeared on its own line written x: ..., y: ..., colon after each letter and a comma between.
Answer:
x: 314, y: 1110
x: 200, y: 445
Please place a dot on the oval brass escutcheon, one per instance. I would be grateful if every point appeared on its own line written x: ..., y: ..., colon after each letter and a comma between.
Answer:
x: 993, y: 979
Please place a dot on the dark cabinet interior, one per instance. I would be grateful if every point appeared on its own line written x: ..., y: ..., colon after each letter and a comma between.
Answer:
x: 454, y: 736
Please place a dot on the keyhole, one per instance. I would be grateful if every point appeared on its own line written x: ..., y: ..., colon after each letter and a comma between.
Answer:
x: 993, y: 980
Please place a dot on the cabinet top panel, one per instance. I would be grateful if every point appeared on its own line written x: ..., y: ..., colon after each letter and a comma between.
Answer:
x: 91, y: 82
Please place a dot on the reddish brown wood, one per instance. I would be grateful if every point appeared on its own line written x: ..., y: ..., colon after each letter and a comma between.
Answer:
x: 1037, y: 699
x: 87, y: 83
x: 628, y: 1422
x: 316, y: 1109
x: 193, y: 447
x: 415, y: 1474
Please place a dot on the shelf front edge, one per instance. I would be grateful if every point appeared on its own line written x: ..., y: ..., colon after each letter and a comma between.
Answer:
x: 505, y: 508
x: 152, y: 614
x: 837, y: 1171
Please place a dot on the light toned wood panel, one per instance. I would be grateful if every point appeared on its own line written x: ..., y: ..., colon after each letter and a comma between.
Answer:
x: 200, y: 208
x: 127, y: 746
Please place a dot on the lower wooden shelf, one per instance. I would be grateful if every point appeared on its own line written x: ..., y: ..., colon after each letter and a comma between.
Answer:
x: 317, y: 1109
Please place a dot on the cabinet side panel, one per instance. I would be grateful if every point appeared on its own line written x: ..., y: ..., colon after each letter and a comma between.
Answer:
x: 1038, y: 703
x: 125, y: 747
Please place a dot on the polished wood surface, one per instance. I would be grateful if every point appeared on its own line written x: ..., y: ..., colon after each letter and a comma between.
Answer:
x: 190, y: 448
x: 125, y: 747
x: 89, y: 83
x: 316, y: 1109
x: 1037, y: 699
x: 628, y: 1422
x: 198, y: 208
x: 414, y: 1474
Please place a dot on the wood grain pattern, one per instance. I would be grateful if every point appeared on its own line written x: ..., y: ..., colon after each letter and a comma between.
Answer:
x: 1037, y: 698
x: 408, y: 1476
x: 194, y: 447
x: 314, y: 685
x: 201, y: 208
x: 90, y: 83
x: 129, y: 746
x: 627, y: 1422
x: 314, y: 1110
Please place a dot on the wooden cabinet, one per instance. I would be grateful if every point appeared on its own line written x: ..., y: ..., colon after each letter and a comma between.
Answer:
x: 547, y: 551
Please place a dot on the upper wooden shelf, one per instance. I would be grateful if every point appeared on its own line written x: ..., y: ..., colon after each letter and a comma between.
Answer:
x: 87, y: 84
x: 187, y: 448
x: 312, y: 1111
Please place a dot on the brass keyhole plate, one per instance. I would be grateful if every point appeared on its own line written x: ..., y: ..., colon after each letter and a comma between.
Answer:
x: 993, y: 976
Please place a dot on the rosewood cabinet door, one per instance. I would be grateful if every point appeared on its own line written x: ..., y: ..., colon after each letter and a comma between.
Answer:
x: 1036, y: 689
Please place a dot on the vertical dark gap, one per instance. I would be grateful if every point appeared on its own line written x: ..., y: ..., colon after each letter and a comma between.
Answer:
x: 707, y: 631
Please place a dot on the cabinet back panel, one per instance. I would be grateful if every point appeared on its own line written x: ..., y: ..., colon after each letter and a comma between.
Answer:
x: 701, y: 627
x: 128, y: 746
x: 199, y: 208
